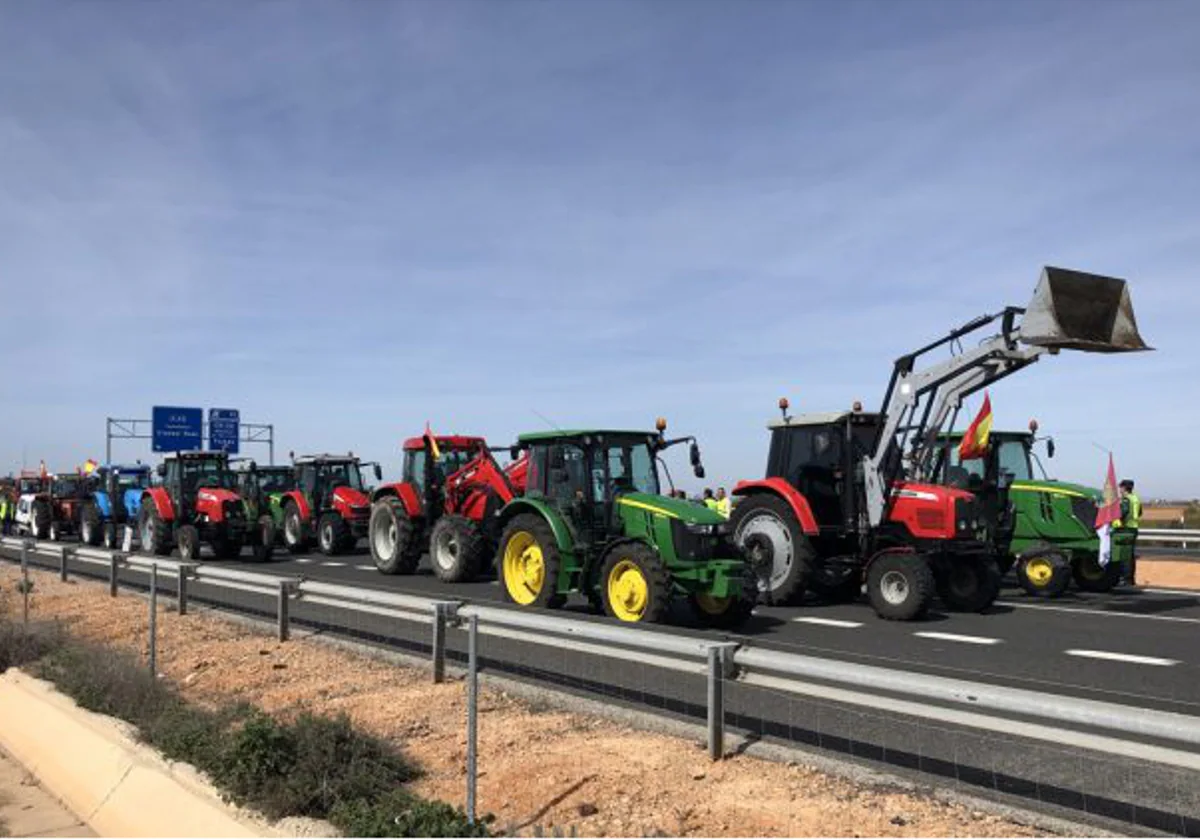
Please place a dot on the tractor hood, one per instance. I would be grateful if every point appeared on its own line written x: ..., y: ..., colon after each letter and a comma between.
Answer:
x: 685, y: 511
x: 1064, y: 488
x: 351, y: 497
x: 216, y: 494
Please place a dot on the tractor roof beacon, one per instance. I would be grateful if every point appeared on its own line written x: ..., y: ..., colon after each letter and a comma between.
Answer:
x: 196, y: 502
x: 848, y: 500
x: 446, y: 502
x: 593, y: 520
x: 328, y: 504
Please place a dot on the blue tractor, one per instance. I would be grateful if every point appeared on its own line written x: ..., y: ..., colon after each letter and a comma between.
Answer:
x: 115, y: 500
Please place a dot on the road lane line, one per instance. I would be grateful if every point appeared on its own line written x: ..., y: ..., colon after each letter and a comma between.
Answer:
x: 828, y: 622
x: 1116, y: 613
x: 333, y: 564
x: 1122, y: 657
x: 955, y: 637
x: 303, y: 560
x: 365, y: 568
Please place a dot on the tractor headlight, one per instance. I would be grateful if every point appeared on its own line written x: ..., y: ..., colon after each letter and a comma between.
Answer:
x: 704, y: 530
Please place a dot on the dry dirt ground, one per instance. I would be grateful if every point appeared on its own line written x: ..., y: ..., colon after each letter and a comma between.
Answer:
x: 541, y: 771
x: 1172, y: 574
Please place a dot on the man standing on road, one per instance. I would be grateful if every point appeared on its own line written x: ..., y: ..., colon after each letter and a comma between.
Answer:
x: 4, y: 512
x: 1131, y: 515
x: 723, y: 502
x: 709, y: 501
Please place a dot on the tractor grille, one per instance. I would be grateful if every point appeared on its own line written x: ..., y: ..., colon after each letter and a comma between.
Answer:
x: 1084, y: 510
x: 699, y: 548
x: 234, y: 512
x: 968, y: 516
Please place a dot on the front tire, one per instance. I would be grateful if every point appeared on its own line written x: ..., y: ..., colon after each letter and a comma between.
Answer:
x: 773, y: 543
x: 294, y: 538
x: 635, y: 583
x: 110, y: 535
x: 457, y: 549
x: 900, y: 586
x: 727, y: 613
x: 392, y: 537
x: 331, y: 533
x: 39, y: 520
x: 1044, y: 574
x: 1090, y: 576
x: 968, y: 584
x: 529, y: 561
x: 55, y: 532
x: 91, y: 529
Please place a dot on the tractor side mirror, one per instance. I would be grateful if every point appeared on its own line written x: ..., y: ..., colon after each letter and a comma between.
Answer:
x: 514, y: 452
x: 694, y: 454
x: 1050, y: 447
x: 698, y: 470
x: 161, y: 470
x: 378, y: 473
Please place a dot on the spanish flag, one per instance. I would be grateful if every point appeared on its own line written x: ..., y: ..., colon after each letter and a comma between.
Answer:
x: 975, y: 439
x: 89, y: 466
x: 433, y: 447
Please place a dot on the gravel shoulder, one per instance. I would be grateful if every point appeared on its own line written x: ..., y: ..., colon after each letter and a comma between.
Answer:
x: 542, y: 770
x: 1169, y: 573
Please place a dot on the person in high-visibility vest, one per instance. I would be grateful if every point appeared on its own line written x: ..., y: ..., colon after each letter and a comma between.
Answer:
x: 723, y: 504
x: 3, y: 513
x: 1130, y: 521
x: 709, y: 501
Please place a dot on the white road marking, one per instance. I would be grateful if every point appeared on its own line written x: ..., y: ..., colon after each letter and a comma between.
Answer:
x: 303, y: 559
x: 1115, y: 613
x: 333, y: 564
x: 365, y: 568
x: 954, y: 637
x: 827, y: 622
x: 1195, y: 593
x: 1122, y: 657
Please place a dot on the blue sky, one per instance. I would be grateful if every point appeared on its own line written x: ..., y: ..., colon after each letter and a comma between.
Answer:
x: 349, y: 218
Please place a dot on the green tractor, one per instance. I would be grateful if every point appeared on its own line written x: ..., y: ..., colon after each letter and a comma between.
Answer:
x: 1052, y: 536
x: 262, y: 489
x: 593, y: 521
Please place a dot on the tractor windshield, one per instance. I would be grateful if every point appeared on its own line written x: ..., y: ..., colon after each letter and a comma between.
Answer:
x: 275, y: 481
x: 197, y: 474
x: 630, y: 468
x: 344, y: 474
x: 130, y: 481
x: 1014, y: 458
x: 66, y: 487
x: 26, y: 486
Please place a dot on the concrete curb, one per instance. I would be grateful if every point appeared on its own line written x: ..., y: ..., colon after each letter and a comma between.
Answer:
x: 95, y: 766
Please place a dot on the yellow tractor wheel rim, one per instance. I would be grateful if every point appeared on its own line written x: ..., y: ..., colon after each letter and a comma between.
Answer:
x: 524, y: 568
x: 1039, y: 571
x: 711, y: 604
x: 628, y: 591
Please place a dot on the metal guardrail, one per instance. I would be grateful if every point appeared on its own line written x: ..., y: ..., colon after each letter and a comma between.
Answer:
x: 1180, y: 536
x: 937, y: 698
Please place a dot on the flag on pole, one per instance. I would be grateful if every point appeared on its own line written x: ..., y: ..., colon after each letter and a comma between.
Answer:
x: 42, y: 469
x: 433, y: 447
x: 975, y: 439
x: 89, y: 466
x: 1108, y: 513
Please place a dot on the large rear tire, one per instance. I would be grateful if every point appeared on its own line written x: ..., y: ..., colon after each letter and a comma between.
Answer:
x: 91, y: 529
x: 294, y: 537
x: 152, y: 531
x: 1044, y: 573
x: 968, y: 584
x: 635, y: 583
x: 39, y: 520
x: 457, y: 549
x: 188, y: 541
x: 1090, y: 576
x: 900, y: 586
x: 529, y: 561
x: 392, y: 537
x: 773, y: 543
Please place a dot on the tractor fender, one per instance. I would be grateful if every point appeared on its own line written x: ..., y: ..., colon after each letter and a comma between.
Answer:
x: 899, y: 549
x: 103, y: 505
x: 794, y: 498
x: 405, y: 492
x: 558, y: 526
x: 161, y: 500
x: 297, y: 498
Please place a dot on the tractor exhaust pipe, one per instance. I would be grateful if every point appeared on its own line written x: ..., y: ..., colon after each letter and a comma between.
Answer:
x: 1074, y: 310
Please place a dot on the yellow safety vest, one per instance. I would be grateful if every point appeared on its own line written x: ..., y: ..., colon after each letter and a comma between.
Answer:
x: 711, y: 504
x: 1135, y: 514
x: 723, y: 507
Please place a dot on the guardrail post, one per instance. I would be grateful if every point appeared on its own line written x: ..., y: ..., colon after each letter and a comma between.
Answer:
x: 185, y: 571
x: 285, y: 592
x: 154, y: 620
x: 720, y: 663
x: 472, y: 714
x: 25, y: 546
x: 25, y: 582
x: 114, y: 564
x: 441, y: 611
x: 65, y: 554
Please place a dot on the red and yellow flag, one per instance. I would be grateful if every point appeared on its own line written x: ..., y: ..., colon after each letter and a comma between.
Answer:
x: 89, y: 466
x: 433, y: 446
x: 975, y: 439
x: 1110, y: 509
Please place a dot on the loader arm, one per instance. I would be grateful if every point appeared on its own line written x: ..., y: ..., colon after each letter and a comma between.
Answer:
x: 1069, y: 310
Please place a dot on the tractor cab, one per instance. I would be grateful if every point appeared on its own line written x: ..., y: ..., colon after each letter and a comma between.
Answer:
x: 196, y: 503
x: 67, y: 487
x: 319, y: 477
x: 187, y: 473
x: 33, y: 485
x: 424, y: 468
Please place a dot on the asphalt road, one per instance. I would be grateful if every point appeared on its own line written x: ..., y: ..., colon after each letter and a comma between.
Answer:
x: 1137, y: 648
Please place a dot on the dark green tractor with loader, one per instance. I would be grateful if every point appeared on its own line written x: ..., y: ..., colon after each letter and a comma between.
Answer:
x: 1052, y: 537
x: 593, y: 521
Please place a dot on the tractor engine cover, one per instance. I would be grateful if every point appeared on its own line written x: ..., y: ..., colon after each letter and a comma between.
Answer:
x: 211, y: 502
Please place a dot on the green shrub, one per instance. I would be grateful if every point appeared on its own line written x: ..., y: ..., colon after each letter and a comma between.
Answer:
x: 400, y: 814
x: 110, y: 682
x: 22, y: 644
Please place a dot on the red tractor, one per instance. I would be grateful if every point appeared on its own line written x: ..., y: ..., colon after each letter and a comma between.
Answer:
x: 196, y: 502
x: 68, y: 491
x: 447, y: 500
x: 329, y: 503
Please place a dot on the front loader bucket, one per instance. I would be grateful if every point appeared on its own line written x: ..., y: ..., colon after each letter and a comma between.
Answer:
x: 1075, y: 310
